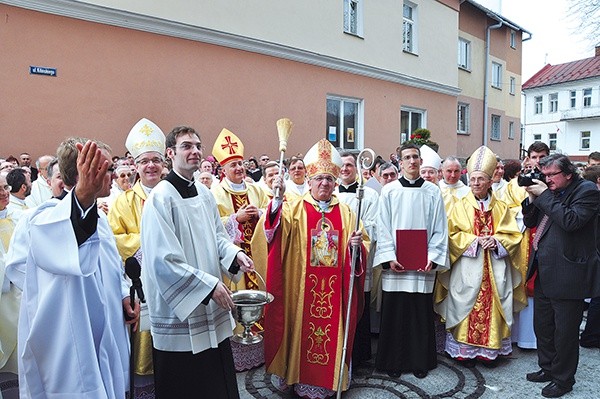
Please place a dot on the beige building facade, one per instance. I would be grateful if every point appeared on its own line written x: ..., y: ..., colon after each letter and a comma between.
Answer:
x: 362, y: 74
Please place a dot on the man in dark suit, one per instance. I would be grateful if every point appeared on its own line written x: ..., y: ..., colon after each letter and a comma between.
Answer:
x: 564, y: 264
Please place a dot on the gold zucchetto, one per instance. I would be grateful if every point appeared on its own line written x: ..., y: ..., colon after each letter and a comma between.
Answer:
x: 145, y: 136
x: 482, y: 160
x: 228, y: 147
x: 323, y: 158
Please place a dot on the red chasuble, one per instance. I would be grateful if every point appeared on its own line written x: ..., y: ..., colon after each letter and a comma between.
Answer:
x: 305, y: 324
x: 480, y: 317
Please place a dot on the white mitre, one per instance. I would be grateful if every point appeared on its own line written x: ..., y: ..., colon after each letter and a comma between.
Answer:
x: 431, y: 159
x: 145, y: 136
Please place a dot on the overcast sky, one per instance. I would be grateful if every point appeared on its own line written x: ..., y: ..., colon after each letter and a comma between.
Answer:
x: 554, y: 40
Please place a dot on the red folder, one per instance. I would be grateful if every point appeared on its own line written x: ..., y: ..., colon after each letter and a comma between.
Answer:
x: 411, y: 249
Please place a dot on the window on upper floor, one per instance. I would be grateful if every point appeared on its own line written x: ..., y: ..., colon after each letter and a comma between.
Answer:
x: 513, y: 39
x: 497, y: 75
x: 552, y: 141
x: 573, y: 95
x: 584, y: 140
x: 462, y: 118
x: 496, y: 134
x: 587, y: 97
x: 353, y: 17
x: 538, y: 105
x: 553, y: 102
x: 464, y: 54
x: 511, y: 130
x: 537, y: 137
x: 409, y: 27
x: 343, y: 127
x: 411, y: 119
x: 513, y: 85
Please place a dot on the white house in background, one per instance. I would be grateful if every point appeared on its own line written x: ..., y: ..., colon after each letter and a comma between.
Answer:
x: 562, y: 107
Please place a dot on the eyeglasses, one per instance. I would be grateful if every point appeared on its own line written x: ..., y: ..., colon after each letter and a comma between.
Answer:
x: 297, y: 168
x: 189, y: 146
x: 392, y: 175
x: 146, y: 161
x: 6, y: 187
x: 123, y: 175
x: 552, y: 174
x: 264, y: 159
x: 320, y: 179
x: 409, y: 157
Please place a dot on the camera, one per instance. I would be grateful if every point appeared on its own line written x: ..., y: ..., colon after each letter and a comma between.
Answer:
x: 526, y: 179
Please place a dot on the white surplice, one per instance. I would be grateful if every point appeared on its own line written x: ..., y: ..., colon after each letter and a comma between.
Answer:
x: 73, y: 341
x: 410, y: 208
x: 368, y: 217
x: 186, y: 249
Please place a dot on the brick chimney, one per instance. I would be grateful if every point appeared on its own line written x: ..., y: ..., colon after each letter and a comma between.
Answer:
x: 597, y: 50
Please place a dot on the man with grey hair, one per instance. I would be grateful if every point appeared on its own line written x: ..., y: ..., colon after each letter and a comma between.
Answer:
x: 452, y: 187
x: 40, y: 187
x: 563, y: 265
x: 388, y: 172
x: 54, y: 179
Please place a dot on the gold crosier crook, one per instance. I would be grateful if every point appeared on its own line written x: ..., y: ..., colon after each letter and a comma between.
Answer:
x: 365, y: 160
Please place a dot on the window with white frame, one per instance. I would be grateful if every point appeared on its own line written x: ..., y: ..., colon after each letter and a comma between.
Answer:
x: 584, y: 142
x: 462, y: 118
x: 587, y: 97
x: 343, y: 127
x: 513, y: 85
x: 496, y: 75
x: 496, y: 135
x: 573, y: 96
x: 511, y: 130
x: 513, y: 39
x: 409, y: 27
x: 553, y: 102
x: 411, y: 119
x: 538, y: 105
x: 353, y: 17
x: 464, y: 53
x: 552, y: 141
x: 537, y: 137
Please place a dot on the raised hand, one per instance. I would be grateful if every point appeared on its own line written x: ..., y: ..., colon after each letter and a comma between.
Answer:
x: 92, y: 167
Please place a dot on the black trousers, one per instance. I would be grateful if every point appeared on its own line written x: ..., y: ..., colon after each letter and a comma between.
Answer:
x: 208, y: 374
x: 556, y: 324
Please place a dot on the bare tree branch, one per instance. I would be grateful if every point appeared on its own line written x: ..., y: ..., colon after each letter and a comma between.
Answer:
x: 587, y: 12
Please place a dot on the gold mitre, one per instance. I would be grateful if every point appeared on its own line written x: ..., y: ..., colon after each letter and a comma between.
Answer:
x: 323, y: 158
x: 145, y: 136
x: 430, y: 158
x: 228, y: 147
x: 482, y: 160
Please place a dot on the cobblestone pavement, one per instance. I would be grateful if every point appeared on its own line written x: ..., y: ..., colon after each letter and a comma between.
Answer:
x: 448, y: 380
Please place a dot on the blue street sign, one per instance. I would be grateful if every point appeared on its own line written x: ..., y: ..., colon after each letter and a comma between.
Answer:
x: 37, y: 70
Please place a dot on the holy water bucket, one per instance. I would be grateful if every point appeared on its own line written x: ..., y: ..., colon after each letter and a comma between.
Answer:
x: 249, y: 308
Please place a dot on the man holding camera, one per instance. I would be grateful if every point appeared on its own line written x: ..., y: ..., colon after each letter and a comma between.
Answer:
x: 564, y: 265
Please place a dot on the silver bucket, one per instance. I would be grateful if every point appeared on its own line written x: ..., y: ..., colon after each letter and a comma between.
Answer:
x: 249, y: 308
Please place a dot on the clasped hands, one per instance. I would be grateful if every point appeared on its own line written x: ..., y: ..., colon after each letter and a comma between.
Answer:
x: 487, y: 242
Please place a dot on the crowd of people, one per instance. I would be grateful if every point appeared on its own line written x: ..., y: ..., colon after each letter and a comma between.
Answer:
x: 432, y: 255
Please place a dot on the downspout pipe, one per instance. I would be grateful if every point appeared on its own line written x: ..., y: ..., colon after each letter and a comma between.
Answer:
x: 486, y: 84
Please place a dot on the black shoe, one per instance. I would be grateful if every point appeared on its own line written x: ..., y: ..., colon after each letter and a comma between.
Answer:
x: 553, y: 390
x: 394, y: 374
x: 420, y: 374
x: 539, y: 376
x: 589, y: 344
